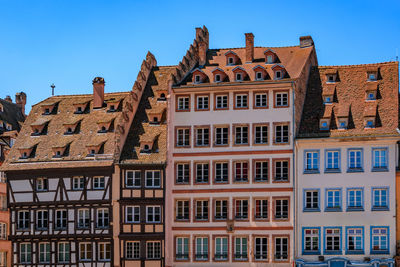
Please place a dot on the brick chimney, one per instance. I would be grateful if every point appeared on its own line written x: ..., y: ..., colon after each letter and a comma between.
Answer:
x: 202, y: 53
x: 8, y: 98
x: 20, y: 100
x: 306, y: 41
x: 98, y: 92
x: 249, y: 47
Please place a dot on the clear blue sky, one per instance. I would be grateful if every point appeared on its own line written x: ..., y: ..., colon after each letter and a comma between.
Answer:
x: 68, y: 43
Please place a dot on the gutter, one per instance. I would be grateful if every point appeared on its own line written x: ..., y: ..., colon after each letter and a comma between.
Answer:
x: 294, y: 173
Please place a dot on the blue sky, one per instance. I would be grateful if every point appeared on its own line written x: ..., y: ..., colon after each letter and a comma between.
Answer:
x: 68, y: 43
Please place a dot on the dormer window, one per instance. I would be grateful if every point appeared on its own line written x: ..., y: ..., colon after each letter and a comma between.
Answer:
x: 328, y: 99
x: 105, y: 125
x: 342, y: 124
x: 162, y: 96
x: 146, y: 143
x: 26, y: 152
x: 155, y: 120
x: 259, y: 76
x: 278, y: 75
x: 103, y: 129
x: 239, y: 77
x: 371, y: 76
x: 324, y: 124
x: 8, y: 127
x: 331, y: 78
x: 270, y: 59
x: 369, y: 123
x: 230, y: 60
x: 92, y: 151
x: 371, y: 95
x: 146, y: 147
x: 197, y: 79
x: 36, y: 131
x: 46, y: 111
x: 24, y: 155
x: 217, y: 78
x: 79, y: 110
x: 69, y: 130
x: 112, y: 108
x: 95, y: 148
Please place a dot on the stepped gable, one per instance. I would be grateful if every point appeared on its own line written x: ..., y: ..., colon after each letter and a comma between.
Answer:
x: 350, y: 100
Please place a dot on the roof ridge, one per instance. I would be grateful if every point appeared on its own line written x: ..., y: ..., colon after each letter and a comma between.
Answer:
x: 358, y: 65
x: 242, y: 47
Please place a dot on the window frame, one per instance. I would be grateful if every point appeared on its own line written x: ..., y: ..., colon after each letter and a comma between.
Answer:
x: 215, y: 200
x: 380, y: 251
x: 25, y: 219
x: 85, y: 252
x: 333, y: 170
x: 134, y: 179
x: 204, y: 96
x: 255, y: 237
x: 44, y: 221
x: 355, y: 208
x: 254, y: 136
x: 101, y: 185
x: 274, y: 161
x: 177, y: 98
x: 311, y: 252
x: 244, y: 216
x: 221, y: 126
x: 355, y: 169
x: 281, y: 124
x: 274, y: 238
x: 268, y: 215
x: 27, y: 252
x: 236, y: 95
x: 242, y: 135
x: 65, y: 252
x: 202, y: 259
x: 354, y: 252
x: 274, y: 208
x: 333, y: 252
x: 243, y: 174
x: 313, y: 170
x: 133, y: 250
x: 196, y: 136
x: 187, y: 254
x: 203, y: 172
x: 156, y: 255
x: 267, y: 161
x: 153, y: 179
x: 333, y: 209
x: 154, y: 214
x: 380, y: 208
x: 222, y: 256
x: 276, y: 92
x: 202, y: 208
x: 42, y: 184
x: 216, y: 95
x: 177, y: 209
x: 185, y: 144
x: 46, y: 253
x: 244, y: 257
x: 79, y: 187
x: 373, y: 160
x: 78, y: 219
x: 214, y: 178
x: 184, y: 172
x: 134, y: 214
x: 103, y: 251
x: 312, y: 209
x: 255, y: 94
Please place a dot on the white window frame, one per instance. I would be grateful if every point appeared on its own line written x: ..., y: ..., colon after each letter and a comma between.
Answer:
x: 261, y: 134
x: 133, y: 178
x: 382, y: 162
x: 132, y: 250
x: 83, y: 218
x: 44, y: 255
x: 260, y: 248
x: 42, y: 184
x: 241, y: 101
x: 24, y: 216
x: 281, y: 170
x: 183, y: 103
x: 239, y: 77
x: 261, y: 100
x: 243, y: 176
x: 182, y: 248
x: 78, y: 183
x: 63, y: 221
x: 221, y: 248
x: 103, y: 218
x: 203, y: 136
x: 262, y: 209
x: 42, y: 219
x: 279, y: 254
x: 104, y: 251
x: 99, y: 182
x: 280, y: 134
x: 202, y: 210
x: 203, y: 102
x: 182, y: 173
x: 221, y: 101
x: 202, y: 172
x: 223, y: 213
x: 151, y: 181
x: 242, y: 244
x: 241, y: 135
x: 182, y: 210
x: 221, y: 136
x: 281, y: 99
x: 201, y: 250
x: 133, y: 212
x: 221, y: 172
x: 336, y: 236
x: 182, y: 137
x: 152, y: 212
x: 241, y: 209
x: 281, y: 209
x: 153, y: 249
x: 311, y: 237
x: 63, y: 252
x: 25, y: 252
x: 85, y: 251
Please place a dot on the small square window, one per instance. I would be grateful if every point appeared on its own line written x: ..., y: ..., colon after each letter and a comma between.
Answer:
x: 239, y: 77
x: 331, y: 78
x: 270, y: 59
x: 217, y: 78
x: 324, y: 125
x: 259, y: 76
x: 370, y: 124
x: 372, y: 76
x: 230, y: 60
x: 278, y: 74
x: 371, y: 96
x: 342, y: 124
x: 197, y: 78
x: 328, y: 100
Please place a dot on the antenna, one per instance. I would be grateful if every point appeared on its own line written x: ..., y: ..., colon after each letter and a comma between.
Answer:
x: 52, y: 89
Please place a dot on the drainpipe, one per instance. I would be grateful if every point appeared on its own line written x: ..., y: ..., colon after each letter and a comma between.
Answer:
x: 294, y: 177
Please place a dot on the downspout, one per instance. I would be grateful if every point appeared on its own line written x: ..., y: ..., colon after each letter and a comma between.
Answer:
x: 293, y: 175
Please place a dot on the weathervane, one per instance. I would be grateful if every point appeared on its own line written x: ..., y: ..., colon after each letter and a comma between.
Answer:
x: 52, y: 88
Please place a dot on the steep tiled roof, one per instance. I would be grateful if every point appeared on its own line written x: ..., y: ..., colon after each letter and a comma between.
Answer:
x: 10, y: 113
x: 292, y: 58
x: 350, y: 100
x: 142, y: 130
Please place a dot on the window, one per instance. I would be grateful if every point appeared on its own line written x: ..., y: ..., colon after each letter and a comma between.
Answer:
x: 201, y: 248
x: 241, y: 171
x: 63, y: 252
x: 133, y: 179
x: 270, y: 59
x: 278, y: 74
x: 83, y: 218
x: 311, y: 161
x: 221, y: 172
x: 259, y: 76
x: 132, y: 250
x: 42, y: 217
x: 355, y: 240
x: 260, y: 248
x: 182, y: 173
x: 241, y: 248
x: 23, y: 220
x: 103, y: 219
x: 379, y: 158
x: 153, y: 250
x: 230, y: 60
x: 371, y: 76
x: 221, y: 102
x: 61, y: 219
x: 355, y: 158
x: 328, y: 99
x: 3, y: 231
x: 221, y: 209
x: 261, y: 171
x: 104, y: 251
x: 371, y: 96
x: 330, y: 78
x: 182, y: 248
x: 42, y: 184
x: 380, y: 240
x: 44, y: 252
x: 153, y: 179
x: 182, y: 210
x: 261, y: 100
x: 197, y: 79
x: 333, y: 200
x: 221, y: 136
x: 183, y: 137
x: 202, y: 136
x: 281, y: 248
x: 281, y: 209
x: 78, y: 183
x: 332, y: 160
x: 85, y: 251
x: 132, y: 214
x: 202, y: 172
x: 98, y: 182
x: 261, y: 209
x: 201, y: 210
x: 370, y: 123
x: 241, y: 135
x: 183, y: 103
x: 311, y: 200
x: 202, y: 102
x: 241, y: 101
x: 239, y: 77
x: 261, y: 134
x: 25, y: 253
x: 332, y: 240
x: 380, y: 198
x: 153, y: 214
x: 221, y: 248
x: 355, y: 200
x: 281, y: 99
x: 217, y: 78
x: 281, y: 170
x: 241, y: 209
x: 281, y: 134
x: 311, y: 241
x: 3, y: 258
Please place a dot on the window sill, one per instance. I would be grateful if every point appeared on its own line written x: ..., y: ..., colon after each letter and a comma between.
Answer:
x: 332, y: 252
x: 379, y: 252
x: 333, y: 209
x: 355, y: 252
x: 261, y: 181
x: 355, y: 170
x: 311, y: 171
x: 384, y: 169
x: 311, y: 210
x: 332, y: 171
x: 311, y: 252
x: 380, y: 209
x: 355, y: 209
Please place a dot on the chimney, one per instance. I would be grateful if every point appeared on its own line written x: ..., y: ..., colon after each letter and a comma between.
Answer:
x: 20, y: 100
x: 306, y: 41
x: 98, y: 92
x: 202, y: 53
x: 198, y: 33
x: 249, y: 47
x: 8, y: 98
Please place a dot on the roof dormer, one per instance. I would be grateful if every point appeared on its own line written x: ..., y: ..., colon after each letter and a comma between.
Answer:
x: 71, y: 127
x: 219, y: 75
x: 371, y: 91
x: 49, y: 108
x: 325, y: 121
x: 370, y: 111
x: 232, y: 58
x: 260, y: 73
x: 81, y: 107
x: 105, y: 125
x: 372, y: 74
x: 279, y: 71
x: 328, y: 92
x: 96, y: 147
x: 156, y: 114
x: 147, y: 143
x: 199, y: 76
x: 331, y: 76
x: 239, y: 74
x: 60, y: 150
x: 343, y: 116
x: 39, y: 127
x: 113, y: 104
x: 270, y: 57
x: 27, y: 151
x: 161, y: 95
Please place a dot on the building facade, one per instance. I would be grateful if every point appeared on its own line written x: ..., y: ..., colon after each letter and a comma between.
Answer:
x: 229, y: 199
x: 346, y: 157
x: 11, y: 116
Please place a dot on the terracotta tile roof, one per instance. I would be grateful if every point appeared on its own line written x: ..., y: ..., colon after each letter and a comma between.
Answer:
x: 141, y: 130
x: 292, y: 58
x: 328, y: 89
x: 10, y: 113
x: 351, y: 95
x: 327, y: 112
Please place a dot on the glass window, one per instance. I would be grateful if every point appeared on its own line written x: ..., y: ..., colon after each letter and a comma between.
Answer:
x: 241, y: 172
x: 42, y: 217
x: 281, y: 248
x: 103, y: 219
x: 78, y: 183
x: 85, y: 251
x: 241, y: 101
x: 153, y: 214
x: 241, y: 135
x: 221, y: 172
x: 355, y: 239
x: 23, y: 220
x: 332, y: 240
x: 182, y: 248
x: 281, y: 99
x: 83, y: 218
x: 25, y: 253
x: 201, y: 248
x: 42, y: 184
x: 221, y: 136
x: 332, y: 159
x: 281, y: 134
x: 182, y: 210
x: 312, y: 160
x: 380, y: 239
x: 281, y: 170
x: 183, y: 137
x: 281, y: 209
x: 153, y: 179
x: 3, y: 231
x: 260, y: 248
x: 153, y: 250
x: 221, y: 101
x: 202, y: 136
x: 380, y: 198
x: 333, y: 199
x: 132, y: 214
x: 261, y: 134
x: 63, y: 252
x: 202, y: 172
x: 379, y: 158
x: 241, y: 209
x: 355, y: 159
x: 261, y: 209
x: 221, y: 209
x: 261, y: 171
x: 241, y: 248
x: 104, y: 251
x: 261, y: 100
x: 221, y: 248
x: 98, y: 182
x: 182, y: 173
x: 44, y: 252
x: 132, y: 250
x: 311, y: 198
x: 133, y: 179
x: 202, y: 102
x: 183, y: 103
x: 311, y: 240
x: 201, y: 210
x: 355, y: 199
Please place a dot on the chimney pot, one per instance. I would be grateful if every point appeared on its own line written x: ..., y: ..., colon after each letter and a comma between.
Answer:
x: 8, y: 98
x: 306, y: 41
x: 249, y: 47
x: 98, y: 92
x: 20, y: 100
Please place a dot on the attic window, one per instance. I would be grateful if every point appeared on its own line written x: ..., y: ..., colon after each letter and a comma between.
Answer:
x: 324, y: 125
x: 36, y: 131
x: 47, y: 111
x: 331, y: 78
x: 146, y: 147
x: 69, y: 130
x: 372, y: 76
x: 162, y: 95
x: 230, y: 60
x: 327, y: 99
x: 197, y: 79
x: 270, y: 59
x: 155, y: 119
x: 371, y: 96
x: 343, y: 124
x: 24, y: 155
x: 79, y: 110
x: 112, y: 107
x: 58, y: 153
x: 103, y: 129
x: 92, y: 151
x: 259, y: 76
x: 278, y: 75
x: 8, y: 127
x: 217, y: 78
x: 239, y: 77
x: 370, y: 123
